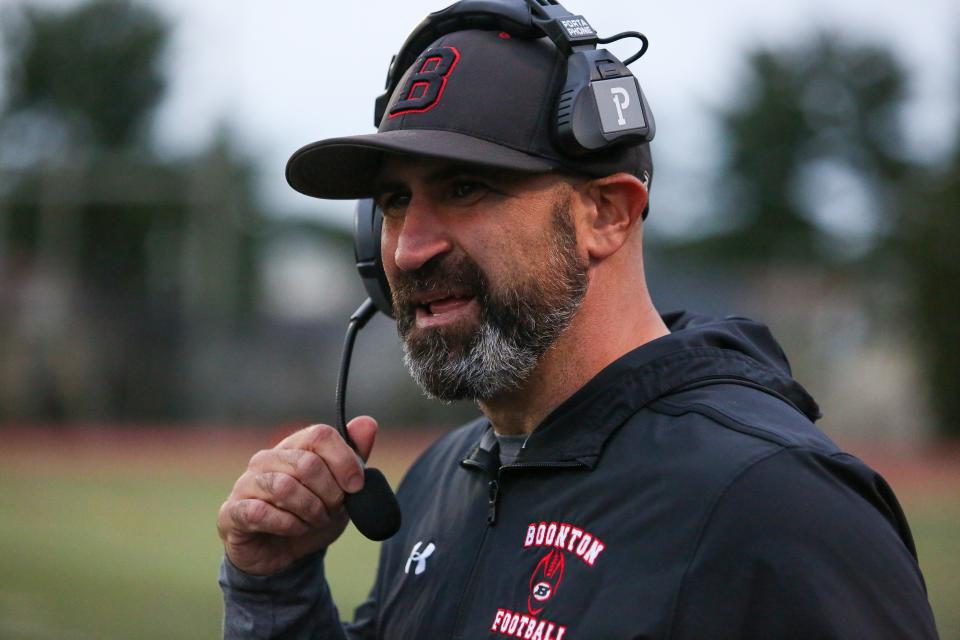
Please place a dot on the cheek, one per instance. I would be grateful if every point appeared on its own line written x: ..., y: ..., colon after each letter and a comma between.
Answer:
x: 511, y: 255
x: 388, y: 252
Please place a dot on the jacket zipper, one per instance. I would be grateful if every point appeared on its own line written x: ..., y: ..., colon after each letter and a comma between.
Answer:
x: 494, y: 493
x: 468, y: 591
x: 493, y: 496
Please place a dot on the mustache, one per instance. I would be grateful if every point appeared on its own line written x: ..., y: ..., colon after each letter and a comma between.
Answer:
x: 442, y: 273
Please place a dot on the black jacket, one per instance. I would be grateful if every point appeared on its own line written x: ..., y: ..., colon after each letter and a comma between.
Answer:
x: 682, y: 493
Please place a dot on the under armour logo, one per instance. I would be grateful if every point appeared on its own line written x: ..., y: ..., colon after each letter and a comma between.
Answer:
x: 419, y: 557
x: 622, y: 100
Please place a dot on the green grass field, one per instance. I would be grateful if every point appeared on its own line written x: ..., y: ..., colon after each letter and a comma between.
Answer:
x: 121, y: 543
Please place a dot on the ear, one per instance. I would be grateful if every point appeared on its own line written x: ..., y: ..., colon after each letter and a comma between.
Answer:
x: 618, y: 204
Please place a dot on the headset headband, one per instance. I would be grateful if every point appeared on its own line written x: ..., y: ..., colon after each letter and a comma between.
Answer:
x: 530, y: 19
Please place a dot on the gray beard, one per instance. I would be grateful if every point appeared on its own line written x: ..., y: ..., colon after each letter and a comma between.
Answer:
x: 517, y: 326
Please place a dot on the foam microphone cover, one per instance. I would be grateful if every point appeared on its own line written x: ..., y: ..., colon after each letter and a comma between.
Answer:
x: 374, y: 509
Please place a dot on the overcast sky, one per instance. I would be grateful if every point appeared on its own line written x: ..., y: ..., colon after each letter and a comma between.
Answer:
x: 288, y: 72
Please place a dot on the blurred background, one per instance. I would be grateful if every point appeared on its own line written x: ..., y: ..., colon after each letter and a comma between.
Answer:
x: 168, y: 305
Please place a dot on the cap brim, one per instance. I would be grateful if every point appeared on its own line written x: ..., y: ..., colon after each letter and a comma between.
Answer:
x: 346, y: 168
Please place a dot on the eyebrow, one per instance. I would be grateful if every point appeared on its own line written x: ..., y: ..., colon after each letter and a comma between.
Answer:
x: 444, y: 173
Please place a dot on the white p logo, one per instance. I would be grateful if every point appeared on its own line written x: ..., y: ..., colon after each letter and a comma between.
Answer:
x: 622, y: 100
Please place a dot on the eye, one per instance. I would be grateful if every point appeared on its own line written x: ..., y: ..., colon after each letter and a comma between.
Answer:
x: 467, y: 191
x: 393, y: 204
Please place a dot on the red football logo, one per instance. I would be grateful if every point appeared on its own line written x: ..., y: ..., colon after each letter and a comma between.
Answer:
x: 545, y: 580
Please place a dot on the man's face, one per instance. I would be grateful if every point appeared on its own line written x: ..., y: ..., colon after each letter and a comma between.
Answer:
x: 484, y: 269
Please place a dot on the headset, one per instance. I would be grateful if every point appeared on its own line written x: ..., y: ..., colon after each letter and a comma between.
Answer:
x: 579, y: 127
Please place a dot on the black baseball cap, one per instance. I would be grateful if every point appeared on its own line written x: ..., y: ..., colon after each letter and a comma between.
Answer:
x: 479, y: 97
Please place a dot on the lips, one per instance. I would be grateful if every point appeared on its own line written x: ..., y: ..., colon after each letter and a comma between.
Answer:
x: 446, y: 305
x: 440, y: 301
x: 444, y: 292
x: 444, y: 310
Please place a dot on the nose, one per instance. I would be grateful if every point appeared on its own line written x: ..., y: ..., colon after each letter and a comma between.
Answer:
x: 421, y: 238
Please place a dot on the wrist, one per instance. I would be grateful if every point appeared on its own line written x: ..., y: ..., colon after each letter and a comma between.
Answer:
x: 291, y: 576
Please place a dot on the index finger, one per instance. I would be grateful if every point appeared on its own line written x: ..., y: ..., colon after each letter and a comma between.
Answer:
x: 324, y: 441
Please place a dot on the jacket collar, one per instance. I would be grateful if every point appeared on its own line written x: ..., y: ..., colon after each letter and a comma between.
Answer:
x: 697, y: 351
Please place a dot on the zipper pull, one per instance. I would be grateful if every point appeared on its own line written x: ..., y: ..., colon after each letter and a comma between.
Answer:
x: 492, y: 502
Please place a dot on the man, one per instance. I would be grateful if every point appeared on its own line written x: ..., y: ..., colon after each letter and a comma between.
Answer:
x: 632, y: 476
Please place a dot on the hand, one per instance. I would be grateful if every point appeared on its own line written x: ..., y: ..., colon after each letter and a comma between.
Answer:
x: 289, y: 502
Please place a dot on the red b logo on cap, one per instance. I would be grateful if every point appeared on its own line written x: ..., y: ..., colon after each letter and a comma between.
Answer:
x: 423, y: 89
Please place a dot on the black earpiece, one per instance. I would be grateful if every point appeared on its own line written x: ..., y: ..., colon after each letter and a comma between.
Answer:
x: 367, y: 223
x: 592, y: 111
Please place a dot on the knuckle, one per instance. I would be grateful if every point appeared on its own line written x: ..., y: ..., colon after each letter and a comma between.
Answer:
x: 323, y: 434
x: 260, y: 458
x: 284, y: 487
x: 240, y: 486
x: 301, y: 431
x: 269, y: 483
x: 264, y: 482
x: 303, y: 507
x: 308, y: 465
x: 251, y: 512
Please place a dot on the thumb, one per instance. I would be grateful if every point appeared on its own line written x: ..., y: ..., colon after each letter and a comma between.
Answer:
x: 363, y: 432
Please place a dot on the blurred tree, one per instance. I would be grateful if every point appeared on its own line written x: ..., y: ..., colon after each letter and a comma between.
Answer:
x: 123, y: 260
x: 928, y: 234
x: 93, y: 72
x: 828, y: 112
x: 823, y: 112
x: 81, y: 87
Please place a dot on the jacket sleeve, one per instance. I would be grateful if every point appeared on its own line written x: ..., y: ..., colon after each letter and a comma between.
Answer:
x: 804, y: 545
x: 294, y: 604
